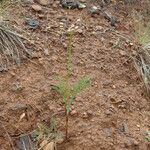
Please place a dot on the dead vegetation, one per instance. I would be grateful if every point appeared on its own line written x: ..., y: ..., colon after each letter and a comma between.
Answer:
x: 12, y: 48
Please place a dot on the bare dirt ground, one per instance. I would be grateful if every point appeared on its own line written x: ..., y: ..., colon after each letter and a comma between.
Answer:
x: 111, y: 115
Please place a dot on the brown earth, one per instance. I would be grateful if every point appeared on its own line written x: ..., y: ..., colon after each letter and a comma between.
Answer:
x: 112, y: 114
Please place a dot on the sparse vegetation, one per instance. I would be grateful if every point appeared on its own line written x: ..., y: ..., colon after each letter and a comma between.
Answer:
x: 73, y: 43
x: 44, y: 135
x: 142, y: 60
x: 148, y: 136
x: 67, y: 90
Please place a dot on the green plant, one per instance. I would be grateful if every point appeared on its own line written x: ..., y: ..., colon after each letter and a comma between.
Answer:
x: 44, y: 135
x: 67, y: 90
x: 148, y: 136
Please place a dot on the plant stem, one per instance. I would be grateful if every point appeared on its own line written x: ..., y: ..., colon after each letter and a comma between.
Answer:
x: 66, y: 128
x: 69, y: 55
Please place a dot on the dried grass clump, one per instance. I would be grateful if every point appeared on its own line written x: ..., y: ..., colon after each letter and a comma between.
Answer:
x: 12, y: 49
x: 142, y: 60
x: 142, y: 65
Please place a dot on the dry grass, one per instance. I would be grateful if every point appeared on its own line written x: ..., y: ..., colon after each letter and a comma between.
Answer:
x: 142, y: 65
x: 12, y: 49
x: 142, y: 60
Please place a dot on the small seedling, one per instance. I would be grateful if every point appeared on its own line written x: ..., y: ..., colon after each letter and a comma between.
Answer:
x: 67, y: 90
x: 148, y: 136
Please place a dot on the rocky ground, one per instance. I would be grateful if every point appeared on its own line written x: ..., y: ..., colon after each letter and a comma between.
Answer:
x: 113, y: 113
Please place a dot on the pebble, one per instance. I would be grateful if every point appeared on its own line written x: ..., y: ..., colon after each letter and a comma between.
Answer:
x: 59, y: 109
x: 46, y: 52
x: 122, y: 53
x: 43, y: 2
x: 18, y: 106
x: 80, y: 31
x: 94, y: 10
x: 73, y: 113
x: 128, y: 143
x: 41, y: 16
x: 32, y: 23
x: 28, y: 1
x: 108, y: 112
x: 37, y: 8
x: 131, y: 142
x: 136, y: 143
x: 83, y: 1
x: 108, y: 132
x: 85, y: 115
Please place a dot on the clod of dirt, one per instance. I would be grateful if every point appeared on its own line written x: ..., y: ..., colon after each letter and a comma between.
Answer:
x: 32, y: 23
x: 37, y: 8
x: 43, y: 2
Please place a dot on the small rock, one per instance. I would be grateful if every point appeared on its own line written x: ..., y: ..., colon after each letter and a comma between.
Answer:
x: 27, y: 1
x: 46, y: 52
x: 90, y: 113
x: 59, y: 109
x: 32, y: 23
x: 113, y: 20
x: 18, y: 106
x: 41, y: 16
x: 122, y: 53
x: 69, y: 3
x: 36, y: 7
x: 136, y: 143
x: 95, y: 10
x: 24, y: 142
x: 80, y: 31
x: 108, y: 112
x: 85, y: 115
x: 124, y: 128
x: 131, y: 142
x: 108, y: 132
x: 83, y: 1
x: 73, y: 113
x: 128, y: 143
x: 43, y: 2
x: 81, y: 6
x: 99, y: 28
x: 131, y: 44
